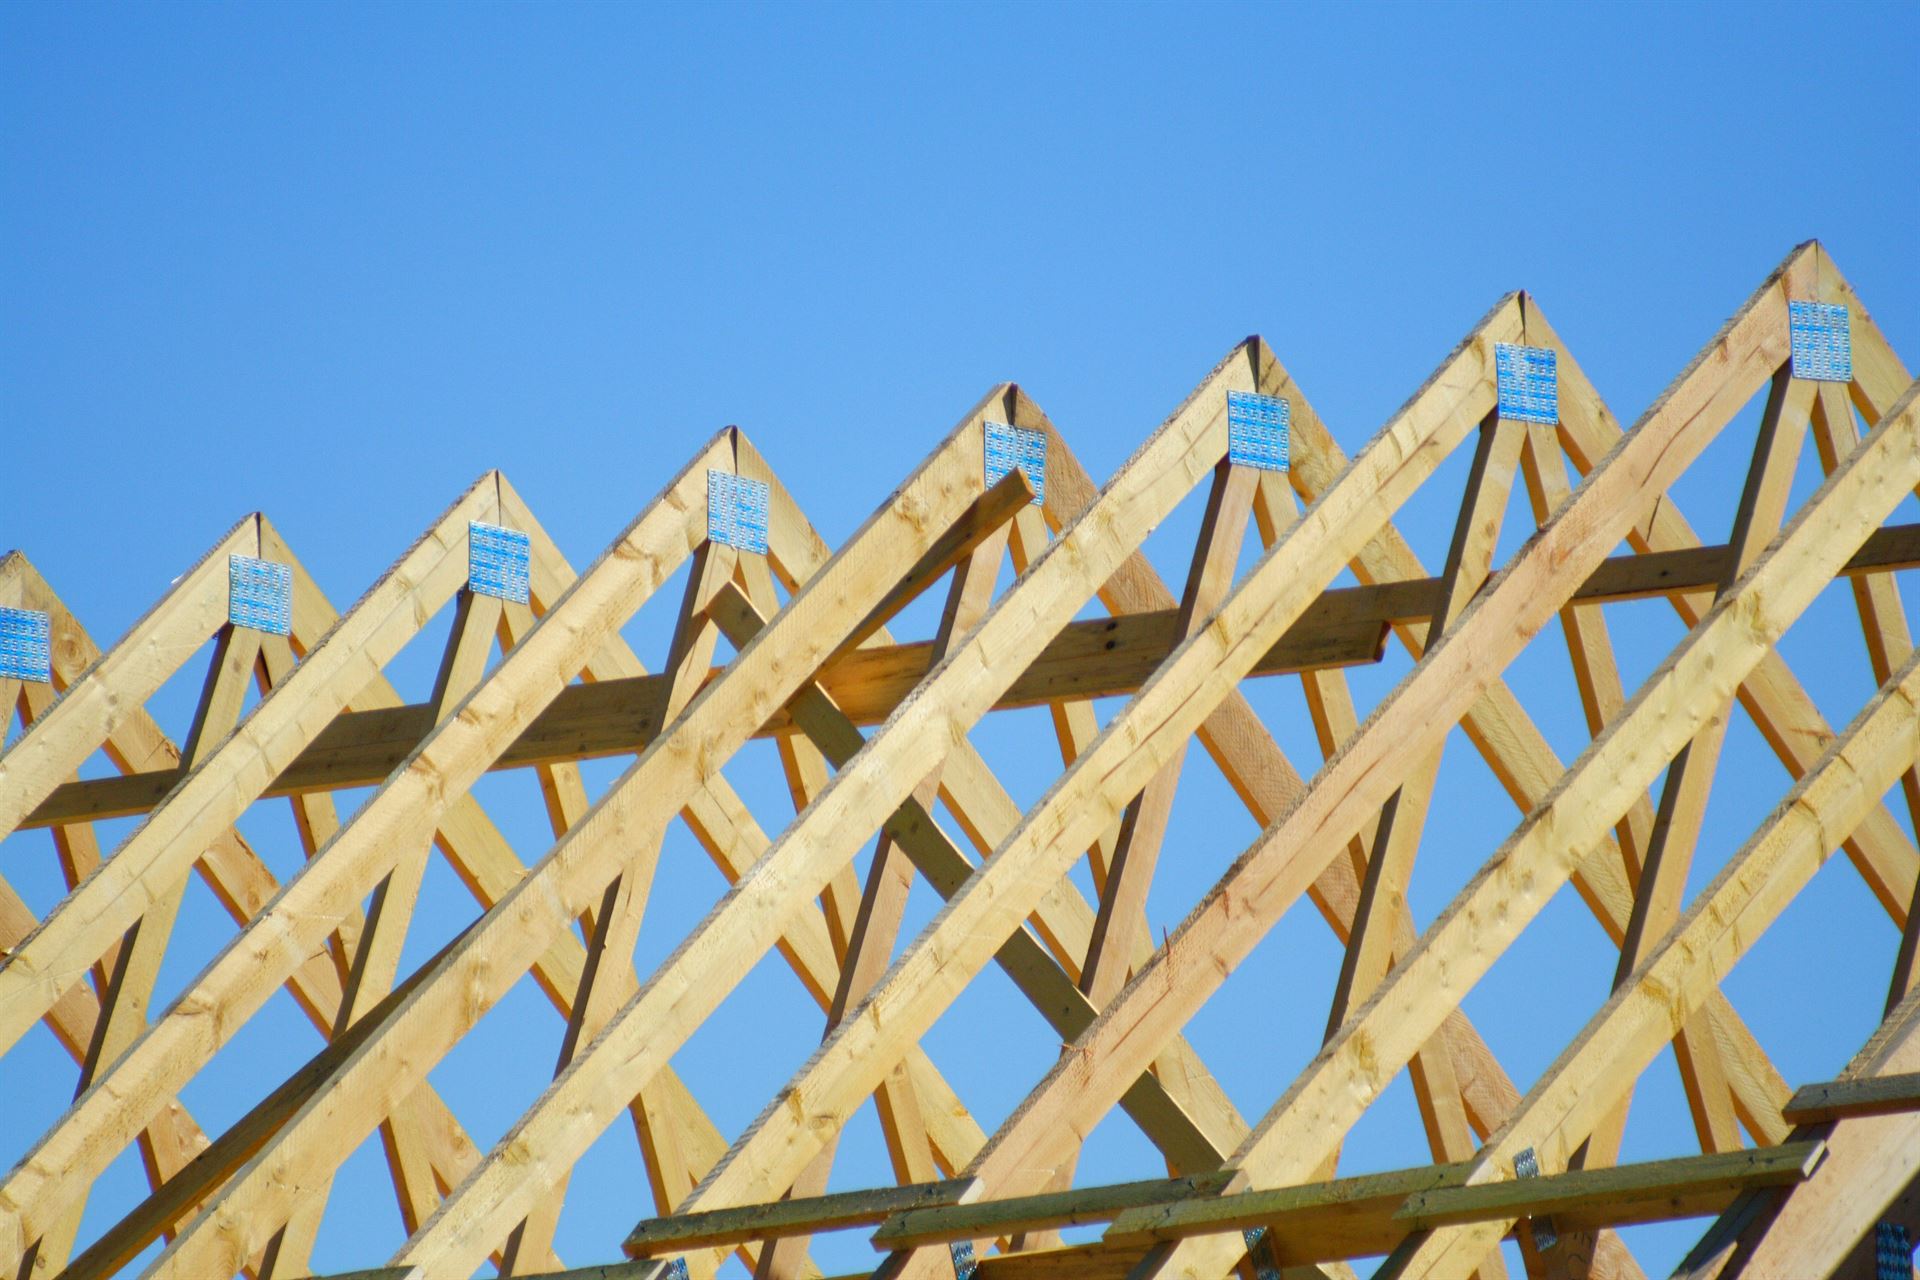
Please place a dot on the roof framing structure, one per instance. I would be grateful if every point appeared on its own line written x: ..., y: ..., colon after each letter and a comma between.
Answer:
x: 780, y: 644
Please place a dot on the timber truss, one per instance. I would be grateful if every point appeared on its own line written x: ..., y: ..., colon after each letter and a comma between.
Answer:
x: 777, y: 639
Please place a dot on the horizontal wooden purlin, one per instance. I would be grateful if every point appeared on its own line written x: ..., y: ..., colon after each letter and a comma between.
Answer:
x: 1094, y: 658
x: 991, y: 1219
x: 1589, y: 1199
x: 1345, y: 1218
x: 805, y: 1216
x: 1842, y: 1099
x: 1076, y: 1262
x: 1371, y: 1214
x: 1326, y: 1209
x: 649, y: 1270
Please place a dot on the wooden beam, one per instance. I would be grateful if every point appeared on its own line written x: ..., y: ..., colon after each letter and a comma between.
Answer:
x: 1314, y: 1221
x: 1366, y: 1215
x: 1076, y: 1262
x: 803, y: 1215
x: 1865, y: 1096
x: 1073, y: 1207
x: 598, y: 1271
x: 1123, y: 899
x: 1343, y: 1218
x: 1862, y: 1262
x: 1090, y: 659
x: 1879, y: 376
x: 1620, y: 1195
x: 1883, y: 623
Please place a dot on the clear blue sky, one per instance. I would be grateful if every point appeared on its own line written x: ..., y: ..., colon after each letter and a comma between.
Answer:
x: 331, y: 262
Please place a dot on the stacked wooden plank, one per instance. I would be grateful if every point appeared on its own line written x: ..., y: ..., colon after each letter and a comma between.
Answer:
x: 872, y: 735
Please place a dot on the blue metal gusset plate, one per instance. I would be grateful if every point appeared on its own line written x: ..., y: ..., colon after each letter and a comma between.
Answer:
x: 1528, y: 381
x: 1009, y: 447
x: 1892, y: 1252
x: 1262, y: 1256
x: 1822, y: 341
x: 737, y: 511
x: 964, y: 1267
x: 497, y: 561
x: 25, y: 650
x: 1259, y: 430
x: 260, y: 595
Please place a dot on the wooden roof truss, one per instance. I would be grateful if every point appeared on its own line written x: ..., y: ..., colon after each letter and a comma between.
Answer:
x: 871, y: 734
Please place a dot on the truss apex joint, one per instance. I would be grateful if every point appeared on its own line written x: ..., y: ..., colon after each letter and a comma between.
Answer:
x: 737, y: 511
x: 26, y: 649
x: 260, y: 594
x: 499, y: 561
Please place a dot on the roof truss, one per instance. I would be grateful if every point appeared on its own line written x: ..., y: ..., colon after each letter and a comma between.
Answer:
x: 871, y: 735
